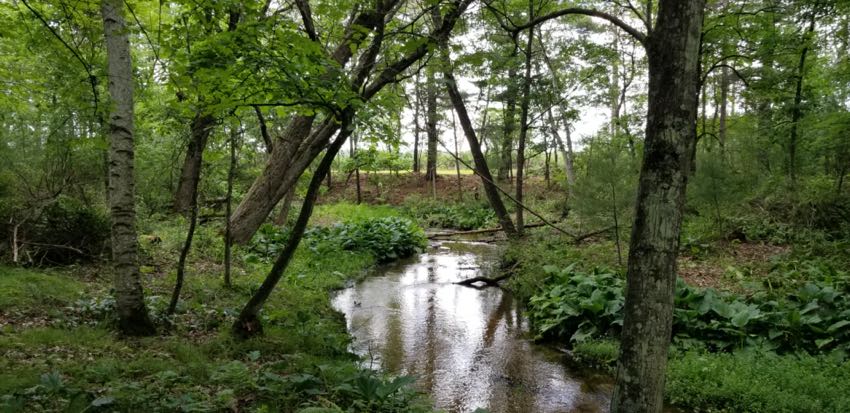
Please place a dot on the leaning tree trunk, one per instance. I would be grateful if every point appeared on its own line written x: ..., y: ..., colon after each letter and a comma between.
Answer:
x: 133, y: 316
x: 481, y: 167
x: 431, y: 126
x: 673, y: 55
x: 248, y: 323
x: 300, y: 144
x: 202, y: 125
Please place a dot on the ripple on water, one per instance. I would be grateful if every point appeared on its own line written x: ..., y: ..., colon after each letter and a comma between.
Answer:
x: 466, y: 346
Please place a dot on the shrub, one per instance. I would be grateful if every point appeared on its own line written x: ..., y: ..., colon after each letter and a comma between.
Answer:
x: 387, y: 239
x: 814, y: 318
x: 578, y: 305
x: 65, y: 232
x: 462, y: 216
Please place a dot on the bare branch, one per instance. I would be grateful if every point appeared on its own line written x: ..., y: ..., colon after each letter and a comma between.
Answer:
x: 641, y: 37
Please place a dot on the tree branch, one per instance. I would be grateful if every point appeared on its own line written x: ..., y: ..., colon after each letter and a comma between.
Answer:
x: 641, y: 37
x: 307, y: 18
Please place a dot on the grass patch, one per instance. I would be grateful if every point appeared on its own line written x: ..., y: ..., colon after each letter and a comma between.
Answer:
x: 758, y: 382
x: 327, y: 214
x: 76, y: 362
x: 22, y: 288
x: 744, y: 381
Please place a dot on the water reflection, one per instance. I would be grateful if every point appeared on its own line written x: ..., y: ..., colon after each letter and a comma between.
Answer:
x: 465, y: 345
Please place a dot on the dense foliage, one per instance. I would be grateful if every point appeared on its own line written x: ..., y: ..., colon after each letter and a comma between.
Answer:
x: 813, y: 318
x: 386, y: 238
x: 439, y: 214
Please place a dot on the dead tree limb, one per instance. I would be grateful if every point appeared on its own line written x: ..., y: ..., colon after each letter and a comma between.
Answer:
x: 509, y: 196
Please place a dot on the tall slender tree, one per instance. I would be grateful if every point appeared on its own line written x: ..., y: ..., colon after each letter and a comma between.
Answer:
x: 133, y: 316
x: 672, y: 45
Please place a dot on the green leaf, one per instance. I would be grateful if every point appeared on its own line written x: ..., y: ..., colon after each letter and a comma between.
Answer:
x: 837, y: 325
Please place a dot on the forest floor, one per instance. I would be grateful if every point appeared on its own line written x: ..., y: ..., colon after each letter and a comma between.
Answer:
x: 58, y: 350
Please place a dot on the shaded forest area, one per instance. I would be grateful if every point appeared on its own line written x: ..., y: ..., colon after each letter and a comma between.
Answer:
x: 184, y: 185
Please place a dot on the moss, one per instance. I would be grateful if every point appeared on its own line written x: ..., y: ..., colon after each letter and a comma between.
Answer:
x: 28, y: 289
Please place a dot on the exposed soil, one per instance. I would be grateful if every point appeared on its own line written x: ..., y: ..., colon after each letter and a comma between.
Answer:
x: 712, y: 271
x: 389, y: 188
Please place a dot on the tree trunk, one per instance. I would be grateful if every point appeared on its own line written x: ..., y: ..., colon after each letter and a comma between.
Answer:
x: 481, y: 167
x: 614, y: 87
x: 133, y: 316
x: 300, y: 144
x: 457, y: 158
x: 285, y: 207
x: 509, y: 126
x: 673, y: 55
x: 231, y: 174
x: 524, y: 125
x: 547, y: 156
x: 184, y: 254
x: 202, y: 125
x: 417, y: 100
x: 431, y: 126
x: 724, y: 97
x: 566, y: 152
x: 797, y: 110
x: 248, y: 323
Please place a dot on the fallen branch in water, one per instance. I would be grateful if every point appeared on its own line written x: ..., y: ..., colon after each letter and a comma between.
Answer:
x: 479, y: 231
x: 577, y: 239
x: 491, y: 282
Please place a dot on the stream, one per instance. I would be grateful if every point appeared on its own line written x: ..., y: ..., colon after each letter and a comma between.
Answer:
x: 469, y: 348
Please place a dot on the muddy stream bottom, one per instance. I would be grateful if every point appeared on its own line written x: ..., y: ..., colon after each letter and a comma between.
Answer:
x: 468, y: 347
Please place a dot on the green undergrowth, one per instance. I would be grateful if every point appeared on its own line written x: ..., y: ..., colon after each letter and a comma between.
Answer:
x: 22, y: 289
x: 432, y: 213
x: 546, y: 247
x: 385, y: 238
x: 327, y: 214
x: 815, y: 318
x: 741, y: 381
x: 71, y: 360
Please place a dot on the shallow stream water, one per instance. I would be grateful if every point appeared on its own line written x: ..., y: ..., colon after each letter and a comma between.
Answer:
x: 468, y: 347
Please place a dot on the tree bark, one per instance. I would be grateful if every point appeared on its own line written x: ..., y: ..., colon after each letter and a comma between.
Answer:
x: 285, y: 207
x: 431, y: 126
x: 509, y: 121
x: 724, y: 97
x: 202, y: 126
x: 417, y: 100
x: 248, y: 323
x: 231, y: 174
x: 133, y: 316
x: 797, y: 110
x: 478, y: 158
x: 297, y: 148
x: 673, y: 55
x: 524, y: 124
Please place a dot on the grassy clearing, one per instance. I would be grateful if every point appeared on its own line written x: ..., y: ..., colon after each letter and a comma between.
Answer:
x: 743, y: 381
x: 73, y: 361
x: 22, y: 289
x: 787, y: 281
